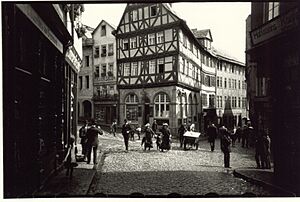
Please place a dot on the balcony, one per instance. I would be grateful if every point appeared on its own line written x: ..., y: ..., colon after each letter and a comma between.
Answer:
x: 106, y: 97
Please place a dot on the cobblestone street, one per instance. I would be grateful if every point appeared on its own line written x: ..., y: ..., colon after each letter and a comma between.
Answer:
x: 192, y: 172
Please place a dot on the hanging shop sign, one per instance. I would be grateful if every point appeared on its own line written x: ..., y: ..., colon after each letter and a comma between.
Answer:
x: 275, y: 27
x: 40, y: 24
x: 72, y: 59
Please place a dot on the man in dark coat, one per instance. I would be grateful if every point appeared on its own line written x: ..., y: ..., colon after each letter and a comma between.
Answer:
x: 166, y: 136
x: 83, y: 137
x: 225, y: 145
x: 212, y: 135
x: 126, y: 132
x: 182, y: 129
x: 93, y: 141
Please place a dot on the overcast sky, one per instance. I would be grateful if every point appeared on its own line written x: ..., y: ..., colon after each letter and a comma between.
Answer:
x: 227, y: 21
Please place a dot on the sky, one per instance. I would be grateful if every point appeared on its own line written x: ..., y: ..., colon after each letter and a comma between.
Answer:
x: 227, y: 21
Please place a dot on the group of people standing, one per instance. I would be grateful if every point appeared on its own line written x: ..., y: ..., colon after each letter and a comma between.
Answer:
x: 260, y: 140
x: 89, y: 140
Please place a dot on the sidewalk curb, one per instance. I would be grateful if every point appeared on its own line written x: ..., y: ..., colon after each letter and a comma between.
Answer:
x: 262, y: 183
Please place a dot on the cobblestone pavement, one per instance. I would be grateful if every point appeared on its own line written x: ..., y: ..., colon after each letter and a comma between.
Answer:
x: 192, y: 172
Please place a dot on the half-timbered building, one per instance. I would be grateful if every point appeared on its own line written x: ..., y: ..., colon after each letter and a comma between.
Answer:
x: 159, y: 67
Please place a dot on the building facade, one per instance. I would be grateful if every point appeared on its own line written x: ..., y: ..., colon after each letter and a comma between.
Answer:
x: 274, y: 56
x: 41, y: 59
x: 105, y: 94
x: 85, y: 85
x: 231, y: 91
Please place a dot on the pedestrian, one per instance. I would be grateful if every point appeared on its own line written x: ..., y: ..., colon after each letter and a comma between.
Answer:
x: 181, y: 130
x: 70, y: 160
x: 212, y: 135
x: 132, y: 131
x: 245, y: 135
x: 225, y: 145
x: 238, y: 133
x: 125, y: 132
x: 166, y: 137
x: 93, y: 141
x: 233, y: 136
x: 83, y: 139
x: 266, y: 143
x: 154, y: 126
x: 138, y: 131
x: 149, y: 133
x: 113, y: 127
x: 259, y: 153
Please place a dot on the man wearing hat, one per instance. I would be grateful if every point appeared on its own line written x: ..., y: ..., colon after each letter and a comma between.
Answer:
x: 93, y: 141
x: 125, y: 132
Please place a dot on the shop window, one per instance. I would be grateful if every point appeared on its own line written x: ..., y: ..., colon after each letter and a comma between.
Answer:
x: 162, y: 105
x: 131, y: 107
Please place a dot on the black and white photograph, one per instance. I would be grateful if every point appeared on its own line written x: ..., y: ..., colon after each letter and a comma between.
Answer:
x: 150, y: 99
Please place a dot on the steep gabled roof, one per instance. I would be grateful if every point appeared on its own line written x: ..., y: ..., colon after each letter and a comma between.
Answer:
x: 221, y: 54
x: 103, y: 21
x: 200, y: 34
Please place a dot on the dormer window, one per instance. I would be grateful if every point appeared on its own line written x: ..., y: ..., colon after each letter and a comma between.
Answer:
x: 103, y: 30
x: 153, y: 11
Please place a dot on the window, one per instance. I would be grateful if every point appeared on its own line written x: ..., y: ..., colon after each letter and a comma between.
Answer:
x: 183, y: 65
x: 221, y: 81
x: 134, y: 69
x: 151, y: 39
x: 134, y: 15
x: 87, y: 61
x: 218, y: 81
x: 125, y: 44
x: 133, y: 43
x: 239, y: 84
x: 211, y: 101
x: 80, y: 82
x: 152, y: 67
x: 103, y: 70
x: 204, y: 99
x: 110, y: 49
x: 131, y: 107
x: 104, y: 90
x: 191, y: 46
x: 87, y: 82
x: 103, y: 50
x: 97, y: 71
x: 161, y: 66
x: 126, y: 69
x: 96, y: 52
x: 229, y: 83
x: 103, y: 30
x: 161, y: 106
x: 111, y: 90
x: 153, y: 10
x: 110, y: 69
x: 239, y: 102
x: 184, y: 41
x: 234, y: 83
x: 221, y: 101
x: 225, y: 82
x: 273, y: 10
x: 160, y: 37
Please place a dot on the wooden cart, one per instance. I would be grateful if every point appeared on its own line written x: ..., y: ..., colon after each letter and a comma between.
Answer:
x: 191, y: 138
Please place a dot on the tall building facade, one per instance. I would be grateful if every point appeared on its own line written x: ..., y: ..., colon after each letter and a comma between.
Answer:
x: 85, y: 78
x: 41, y: 60
x: 273, y: 56
x: 231, y: 93
x: 105, y: 94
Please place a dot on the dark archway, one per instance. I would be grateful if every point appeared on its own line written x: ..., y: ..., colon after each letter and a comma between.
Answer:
x: 87, y: 109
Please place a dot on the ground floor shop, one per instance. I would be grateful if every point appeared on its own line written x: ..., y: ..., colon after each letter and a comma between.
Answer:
x: 105, y: 112
x: 170, y: 104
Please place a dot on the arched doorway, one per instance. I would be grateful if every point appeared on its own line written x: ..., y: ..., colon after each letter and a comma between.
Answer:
x: 87, y: 109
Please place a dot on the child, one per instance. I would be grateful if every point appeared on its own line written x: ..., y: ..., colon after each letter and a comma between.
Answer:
x: 70, y: 160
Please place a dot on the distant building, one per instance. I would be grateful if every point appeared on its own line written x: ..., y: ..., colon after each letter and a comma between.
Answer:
x: 41, y: 58
x: 273, y: 56
x: 85, y: 78
x: 105, y: 94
